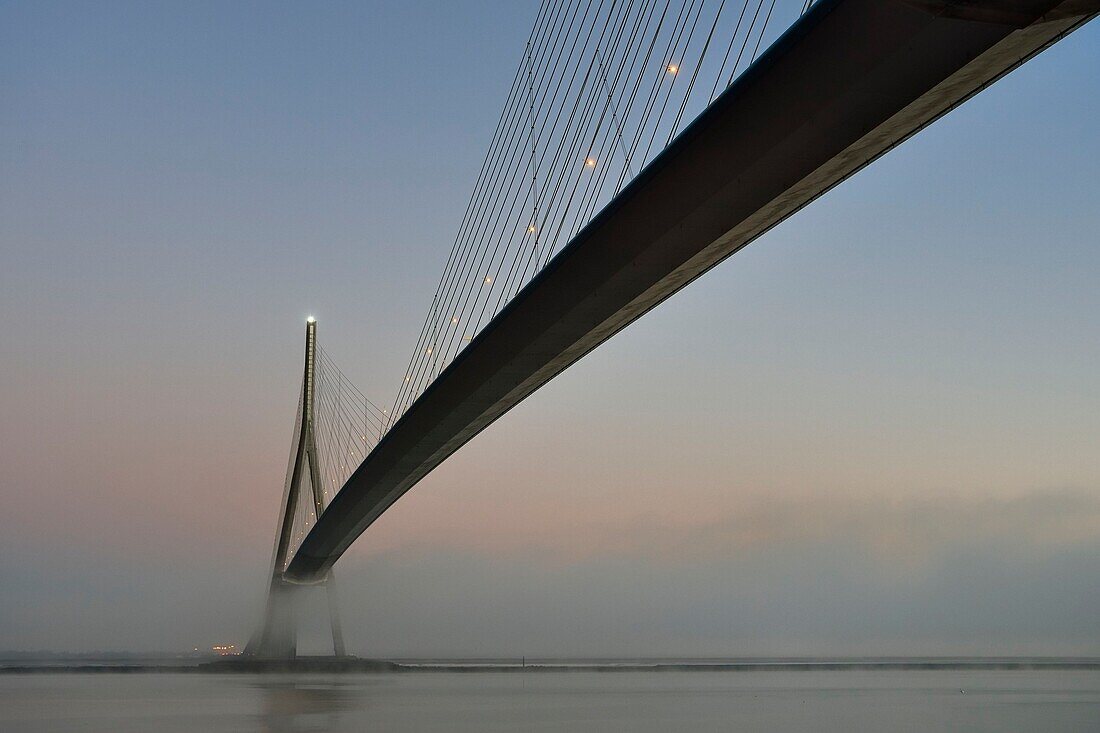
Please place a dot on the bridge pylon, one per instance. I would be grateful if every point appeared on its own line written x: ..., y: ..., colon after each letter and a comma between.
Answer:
x: 277, y: 636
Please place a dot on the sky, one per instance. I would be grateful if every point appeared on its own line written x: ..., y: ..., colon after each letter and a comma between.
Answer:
x: 874, y: 431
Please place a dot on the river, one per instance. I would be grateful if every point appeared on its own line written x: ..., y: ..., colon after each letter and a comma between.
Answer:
x: 822, y: 701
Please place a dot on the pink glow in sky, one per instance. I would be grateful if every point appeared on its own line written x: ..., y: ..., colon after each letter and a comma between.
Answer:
x: 873, y: 431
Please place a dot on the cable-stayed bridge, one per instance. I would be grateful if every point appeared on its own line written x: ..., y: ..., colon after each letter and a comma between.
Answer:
x: 641, y: 143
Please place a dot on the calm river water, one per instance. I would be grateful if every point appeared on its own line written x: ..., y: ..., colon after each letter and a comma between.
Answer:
x: 578, y: 701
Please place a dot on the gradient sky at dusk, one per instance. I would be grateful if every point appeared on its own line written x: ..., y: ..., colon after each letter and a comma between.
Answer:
x: 875, y: 430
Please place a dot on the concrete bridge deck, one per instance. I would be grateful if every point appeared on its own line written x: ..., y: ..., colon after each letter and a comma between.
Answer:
x: 845, y: 84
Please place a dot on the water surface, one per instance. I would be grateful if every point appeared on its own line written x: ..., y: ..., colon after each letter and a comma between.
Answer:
x: 823, y: 701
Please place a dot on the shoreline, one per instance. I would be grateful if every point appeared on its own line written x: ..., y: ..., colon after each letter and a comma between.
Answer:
x: 355, y: 665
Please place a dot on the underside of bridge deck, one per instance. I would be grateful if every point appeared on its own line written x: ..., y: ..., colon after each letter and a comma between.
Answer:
x: 849, y: 81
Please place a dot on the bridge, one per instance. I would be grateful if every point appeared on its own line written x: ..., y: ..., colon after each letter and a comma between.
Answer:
x: 597, y: 120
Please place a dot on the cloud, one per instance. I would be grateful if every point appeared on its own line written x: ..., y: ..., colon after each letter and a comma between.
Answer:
x: 902, y: 533
x: 939, y: 575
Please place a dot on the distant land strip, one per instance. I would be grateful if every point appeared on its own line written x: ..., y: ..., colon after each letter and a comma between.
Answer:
x: 358, y: 665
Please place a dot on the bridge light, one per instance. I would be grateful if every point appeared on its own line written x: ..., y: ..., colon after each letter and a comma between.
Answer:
x: 488, y: 280
x: 590, y: 162
x: 531, y: 229
x: 672, y: 69
x: 311, y: 319
x: 454, y: 320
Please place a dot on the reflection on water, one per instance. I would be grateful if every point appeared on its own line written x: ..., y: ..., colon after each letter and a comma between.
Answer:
x: 825, y: 701
x: 291, y: 706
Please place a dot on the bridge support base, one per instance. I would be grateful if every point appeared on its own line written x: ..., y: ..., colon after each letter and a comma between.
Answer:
x: 278, y: 636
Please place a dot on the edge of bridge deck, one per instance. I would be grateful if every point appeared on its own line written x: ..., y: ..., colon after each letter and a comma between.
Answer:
x: 846, y: 83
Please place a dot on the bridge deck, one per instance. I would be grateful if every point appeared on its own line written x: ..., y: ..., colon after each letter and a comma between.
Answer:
x: 846, y: 83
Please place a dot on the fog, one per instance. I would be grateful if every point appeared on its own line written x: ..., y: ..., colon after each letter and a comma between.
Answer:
x: 827, y: 577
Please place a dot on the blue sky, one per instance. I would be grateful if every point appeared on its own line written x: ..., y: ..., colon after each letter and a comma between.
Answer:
x: 879, y: 419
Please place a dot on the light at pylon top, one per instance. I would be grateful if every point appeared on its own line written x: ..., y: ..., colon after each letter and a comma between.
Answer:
x: 311, y: 319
